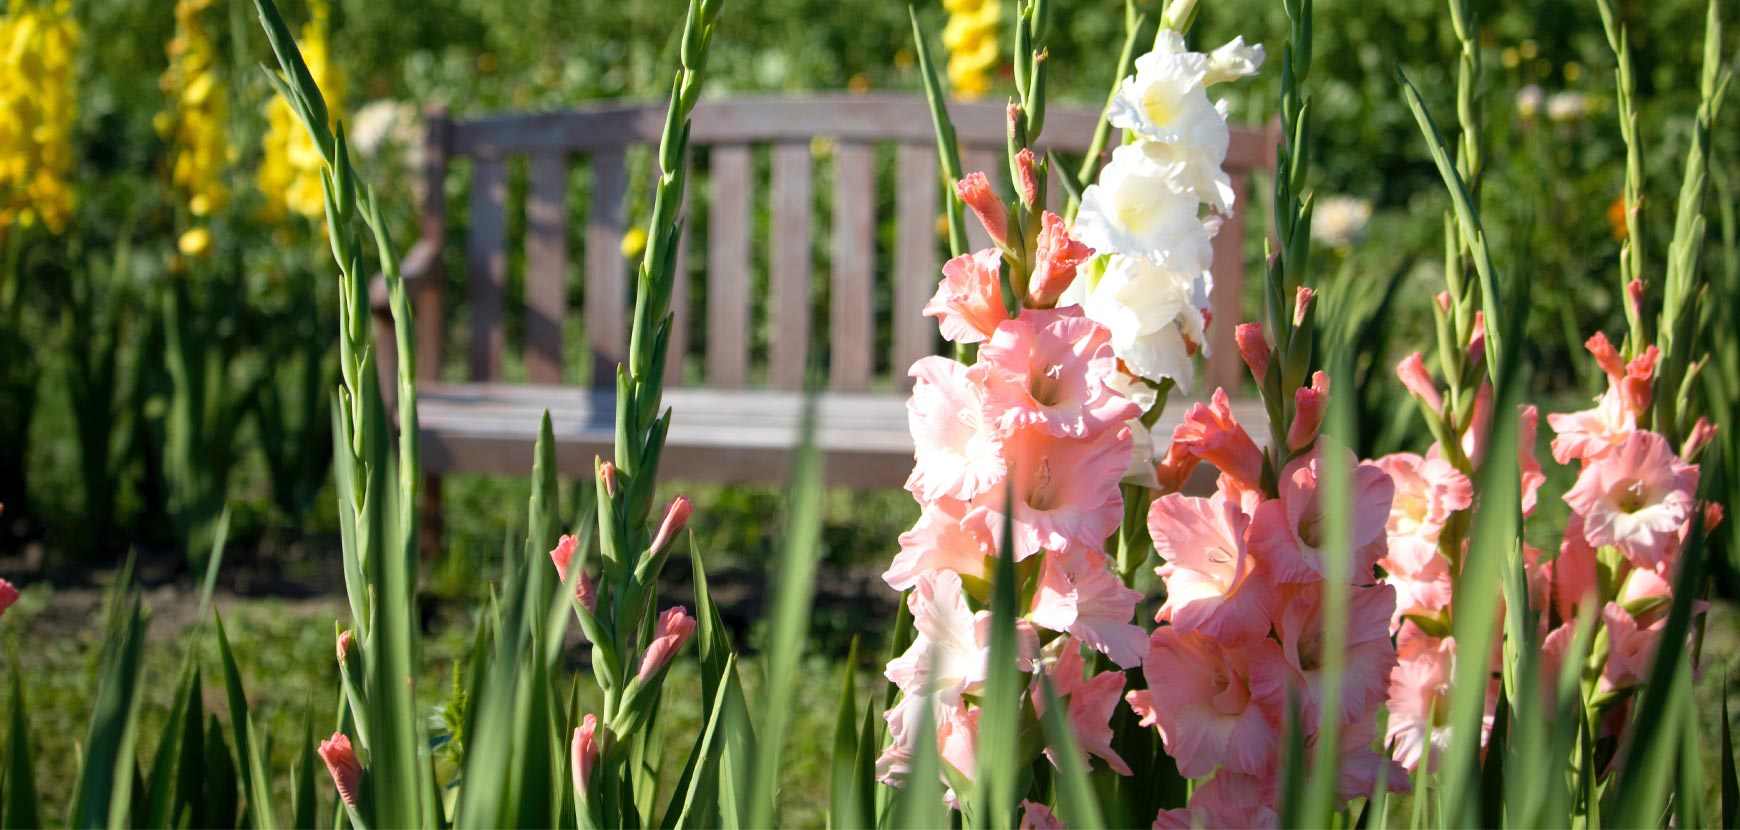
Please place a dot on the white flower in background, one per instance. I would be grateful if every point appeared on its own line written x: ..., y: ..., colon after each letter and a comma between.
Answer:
x: 1138, y: 209
x: 1155, y: 315
x: 377, y: 123
x: 1233, y: 61
x: 1566, y: 106
x: 1339, y: 221
x: 1529, y: 100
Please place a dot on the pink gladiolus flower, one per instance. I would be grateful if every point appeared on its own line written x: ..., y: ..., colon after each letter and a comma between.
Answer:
x: 1287, y: 533
x: 1412, y: 371
x: 975, y: 191
x: 1058, y: 256
x: 1571, y: 577
x: 1077, y: 593
x: 1302, y: 304
x: 1254, y: 348
x: 1065, y: 490
x: 673, y: 629
x: 1299, y: 663
x: 1428, y: 491
x: 346, y: 770
x: 1425, y: 592
x: 563, y: 556
x: 1212, y: 434
x: 1420, y: 701
x: 1090, y: 703
x: 1606, y: 356
x: 1051, y: 369
x: 957, y: 737
x: 1310, y: 404
x: 1636, y: 498
x: 1639, y: 373
x: 1038, y: 817
x: 1213, y: 586
x: 1590, y: 433
x: 1200, y: 696
x: 1631, y: 648
x: 1229, y: 799
x: 585, y: 756
x: 958, y: 454
x: 1027, y: 180
x: 1174, y: 468
x: 948, y: 655
x: 1477, y: 339
x: 940, y: 541
x: 1703, y: 432
x: 8, y: 595
x: 676, y: 518
x: 1359, y: 766
x: 968, y: 303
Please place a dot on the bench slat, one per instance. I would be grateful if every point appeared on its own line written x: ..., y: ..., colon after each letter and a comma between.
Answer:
x: 852, y: 299
x: 1225, y: 369
x: 915, y: 264
x: 546, y: 266
x: 606, y: 279
x: 728, y: 267
x: 487, y: 259
x: 789, y: 261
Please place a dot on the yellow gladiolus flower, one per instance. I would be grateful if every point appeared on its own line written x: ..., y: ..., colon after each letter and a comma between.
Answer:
x: 289, y: 172
x: 38, y: 105
x: 198, y: 108
x: 971, y: 40
x: 194, y: 243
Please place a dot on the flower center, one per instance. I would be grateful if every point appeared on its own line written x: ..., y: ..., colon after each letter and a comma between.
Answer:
x: 1633, y: 498
x: 1311, y: 530
x: 1046, y: 385
x: 1040, y: 495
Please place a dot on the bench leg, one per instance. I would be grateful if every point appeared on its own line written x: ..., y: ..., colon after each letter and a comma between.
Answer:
x: 429, y: 519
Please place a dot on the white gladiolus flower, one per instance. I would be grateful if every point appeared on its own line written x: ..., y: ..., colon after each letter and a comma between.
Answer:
x: 1339, y: 221
x: 1155, y: 315
x: 1139, y: 209
x: 1167, y: 99
x: 1233, y: 61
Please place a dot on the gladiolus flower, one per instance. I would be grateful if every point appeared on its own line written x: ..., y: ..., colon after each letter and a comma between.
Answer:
x: 1200, y: 696
x: 1631, y: 648
x: 975, y: 191
x: 1038, y: 817
x: 1058, y: 255
x: 1254, y: 348
x: 607, y: 475
x: 958, y: 454
x: 563, y: 556
x: 1233, y: 61
x: 346, y: 770
x: 1309, y: 403
x: 1229, y: 799
x: 1591, y: 432
x: 1175, y: 467
x: 1287, y: 533
x: 1089, y: 703
x: 1027, y: 180
x: 1299, y: 663
x: 1703, y: 432
x: 1157, y: 316
x: 673, y: 629
x: 1136, y: 210
x: 8, y: 595
x: 1420, y: 699
x: 585, y: 756
x: 1213, y: 585
x: 941, y: 540
x: 676, y: 517
x: 968, y: 303
x: 1212, y: 434
x: 1636, y: 498
x: 1427, y: 492
x: 1050, y: 369
x: 1064, y: 491
x: 1077, y: 593
x: 1412, y: 371
x: 1302, y: 304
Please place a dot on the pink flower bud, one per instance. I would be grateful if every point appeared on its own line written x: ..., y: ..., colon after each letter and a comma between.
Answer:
x: 585, y: 755
x: 1028, y: 179
x: 346, y: 640
x: 1634, y: 295
x: 1477, y: 339
x: 8, y: 595
x: 563, y: 554
x: 1412, y: 371
x: 1703, y: 432
x: 1175, y: 468
x: 346, y: 770
x: 586, y: 593
x: 1443, y: 299
x: 1606, y: 356
x: 1302, y: 304
x: 676, y: 517
x: 1059, y: 256
x: 1310, y: 402
x: 1254, y: 348
x: 1635, y: 389
x: 975, y: 191
x: 1012, y: 120
x: 607, y: 474
x: 673, y: 629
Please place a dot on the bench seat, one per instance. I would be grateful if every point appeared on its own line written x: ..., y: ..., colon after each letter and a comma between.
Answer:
x: 719, y: 435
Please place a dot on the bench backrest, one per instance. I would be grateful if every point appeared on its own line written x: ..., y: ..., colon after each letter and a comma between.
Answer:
x: 848, y: 131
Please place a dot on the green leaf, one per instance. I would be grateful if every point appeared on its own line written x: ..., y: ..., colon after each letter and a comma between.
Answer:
x: 19, y: 808
x: 842, y: 785
x: 920, y: 803
x: 1730, y: 776
x: 948, y: 151
x: 994, y: 795
x: 304, y: 804
x: 704, y: 786
x: 104, y: 790
x: 1078, y: 805
x: 258, y: 790
x: 218, y: 803
x: 162, y: 797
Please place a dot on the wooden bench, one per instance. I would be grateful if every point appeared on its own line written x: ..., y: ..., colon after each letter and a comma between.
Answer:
x: 740, y: 422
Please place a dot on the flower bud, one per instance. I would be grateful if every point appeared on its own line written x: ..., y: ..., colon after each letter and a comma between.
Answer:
x: 975, y: 191
x: 1310, y: 402
x: 1443, y: 299
x: 607, y: 474
x: 1179, y: 14
x: 1059, y: 256
x: 1703, y: 432
x: 346, y: 641
x: 1606, y: 356
x: 1027, y: 179
x: 1634, y: 296
x: 1412, y: 371
x: 1254, y: 348
x: 676, y: 517
x: 1175, y: 468
x: 1477, y: 339
x: 1302, y: 304
x: 346, y: 770
x: 1012, y: 121
x: 673, y: 629
x: 8, y: 595
x: 1636, y: 389
x: 585, y: 758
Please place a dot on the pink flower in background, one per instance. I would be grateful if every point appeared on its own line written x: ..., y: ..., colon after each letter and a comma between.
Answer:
x: 1213, y: 585
x: 1636, y: 498
x: 1427, y: 492
x: 1419, y: 699
x: 975, y: 190
x: 1065, y: 490
x: 1211, y: 433
x: 1631, y: 648
x: 1529, y: 466
x: 1090, y: 702
x: 1412, y: 371
x: 1426, y: 591
x: 1288, y: 533
x: 1058, y: 256
x: 1590, y: 433
x: 1300, y: 661
x: 673, y: 629
x: 1078, y: 594
x: 958, y: 454
x: 1360, y: 767
x: 1569, y: 578
x: 968, y: 303
x: 957, y: 737
x: 585, y: 752
x: 1051, y: 369
x: 1200, y: 696
x: 947, y: 658
x: 342, y: 763
x: 940, y: 541
x: 8, y: 595
x: 1229, y: 799
x: 1038, y: 817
